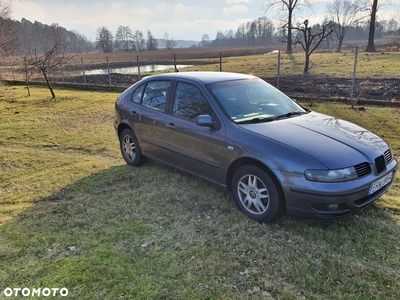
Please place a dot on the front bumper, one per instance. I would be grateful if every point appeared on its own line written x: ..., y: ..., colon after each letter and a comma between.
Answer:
x: 331, y: 200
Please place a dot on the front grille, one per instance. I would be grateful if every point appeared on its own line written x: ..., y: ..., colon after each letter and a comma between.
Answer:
x: 380, y: 164
x: 363, y: 169
x: 388, y: 156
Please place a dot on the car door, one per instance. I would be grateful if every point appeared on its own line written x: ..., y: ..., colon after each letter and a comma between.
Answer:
x: 149, y: 118
x: 191, y: 147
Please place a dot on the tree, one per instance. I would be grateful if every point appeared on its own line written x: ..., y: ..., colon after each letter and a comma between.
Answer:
x: 344, y: 14
x: 392, y: 25
x: 264, y: 31
x: 251, y: 33
x: 79, y: 42
x: 310, y: 41
x: 5, y: 9
x: 151, y: 41
x: 205, y: 40
x: 230, y: 37
x: 139, y: 40
x: 257, y: 32
x: 240, y: 34
x: 371, y: 34
x: 169, y: 41
x: 51, y: 55
x: 104, y: 39
x: 8, y: 35
x: 290, y: 6
x: 124, y: 39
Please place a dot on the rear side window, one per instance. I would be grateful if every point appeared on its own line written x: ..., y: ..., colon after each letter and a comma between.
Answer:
x: 137, y: 94
x: 155, y: 94
x: 189, y: 102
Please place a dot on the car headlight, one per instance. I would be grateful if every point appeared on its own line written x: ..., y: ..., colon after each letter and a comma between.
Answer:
x: 331, y: 175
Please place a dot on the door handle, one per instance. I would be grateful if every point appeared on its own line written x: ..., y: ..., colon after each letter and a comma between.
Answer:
x: 133, y: 113
x: 170, y: 125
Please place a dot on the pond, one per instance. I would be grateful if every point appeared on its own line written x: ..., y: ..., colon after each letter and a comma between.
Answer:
x: 133, y: 70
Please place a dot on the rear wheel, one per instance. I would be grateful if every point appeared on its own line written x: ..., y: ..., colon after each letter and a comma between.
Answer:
x: 130, y: 149
x: 256, y: 194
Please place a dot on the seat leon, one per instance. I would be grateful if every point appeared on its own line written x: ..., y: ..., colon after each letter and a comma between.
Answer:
x: 241, y: 133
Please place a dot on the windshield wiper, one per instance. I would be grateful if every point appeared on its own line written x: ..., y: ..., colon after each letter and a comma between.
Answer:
x: 262, y: 120
x: 256, y: 120
x: 270, y: 119
x: 290, y: 114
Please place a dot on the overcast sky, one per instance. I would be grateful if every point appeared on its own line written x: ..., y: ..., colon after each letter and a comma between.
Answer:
x: 181, y: 19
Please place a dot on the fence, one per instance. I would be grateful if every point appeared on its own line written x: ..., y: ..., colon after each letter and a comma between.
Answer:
x: 352, y: 74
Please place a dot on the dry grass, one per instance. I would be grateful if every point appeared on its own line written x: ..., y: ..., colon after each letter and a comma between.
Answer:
x: 164, y: 56
x: 74, y: 215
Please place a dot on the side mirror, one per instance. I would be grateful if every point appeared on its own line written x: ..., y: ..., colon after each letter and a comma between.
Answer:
x: 205, y: 120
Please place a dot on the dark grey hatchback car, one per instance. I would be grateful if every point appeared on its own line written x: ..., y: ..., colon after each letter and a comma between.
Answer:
x: 238, y: 131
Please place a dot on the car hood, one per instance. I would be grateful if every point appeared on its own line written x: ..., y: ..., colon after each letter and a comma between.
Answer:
x: 333, y: 142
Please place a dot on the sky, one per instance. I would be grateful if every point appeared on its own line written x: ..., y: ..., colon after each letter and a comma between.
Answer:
x: 181, y: 19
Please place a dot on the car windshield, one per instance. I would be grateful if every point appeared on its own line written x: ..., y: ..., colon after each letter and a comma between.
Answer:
x: 254, y: 101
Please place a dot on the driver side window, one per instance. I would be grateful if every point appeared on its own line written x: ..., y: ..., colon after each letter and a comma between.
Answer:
x: 189, y: 102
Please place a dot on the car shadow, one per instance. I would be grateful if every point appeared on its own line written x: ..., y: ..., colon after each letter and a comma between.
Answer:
x: 160, y: 182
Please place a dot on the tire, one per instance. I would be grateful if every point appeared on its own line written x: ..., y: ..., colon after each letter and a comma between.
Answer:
x: 130, y: 148
x: 256, y: 194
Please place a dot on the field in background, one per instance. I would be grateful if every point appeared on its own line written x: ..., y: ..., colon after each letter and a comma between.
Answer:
x: 330, y: 75
x: 73, y: 215
x: 260, y: 61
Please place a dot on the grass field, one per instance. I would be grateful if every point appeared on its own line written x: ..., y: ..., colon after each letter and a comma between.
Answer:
x: 74, y: 216
x: 259, y: 61
x: 326, y: 63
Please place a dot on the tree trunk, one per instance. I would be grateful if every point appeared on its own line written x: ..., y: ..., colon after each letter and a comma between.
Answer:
x: 53, y: 96
x: 289, y: 35
x: 339, y: 48
x: 306, y: 63
x: 371, y: 35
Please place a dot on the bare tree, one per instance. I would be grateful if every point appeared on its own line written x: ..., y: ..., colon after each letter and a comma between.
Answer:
x: 290, y: 6
x: 51, y: 55
x: 371, y: 34
x: 124, y: 39
x: 205, y: 40
x: 151, y: 41
x: 79, y: 42
x: 169, y: 41
x: 397, y: 28
x: 240, y: 34
x: 264, y: 31
x: 310, y: 41
x: 345, y: 14
x: 5, y: 9
x: 392, y: 25
x: 105, y: 39
x: 8, y: 35
x: 139, y: 40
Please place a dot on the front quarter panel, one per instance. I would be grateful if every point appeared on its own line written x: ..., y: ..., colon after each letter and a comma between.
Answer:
x: 275, y: 156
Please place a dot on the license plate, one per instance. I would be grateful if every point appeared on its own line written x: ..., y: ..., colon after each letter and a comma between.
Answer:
x: 380, y: 183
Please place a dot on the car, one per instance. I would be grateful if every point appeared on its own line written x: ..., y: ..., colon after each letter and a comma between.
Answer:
x: 240, y: 132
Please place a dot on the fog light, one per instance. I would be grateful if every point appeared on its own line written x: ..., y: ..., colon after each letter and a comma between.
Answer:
x: 333, y: 207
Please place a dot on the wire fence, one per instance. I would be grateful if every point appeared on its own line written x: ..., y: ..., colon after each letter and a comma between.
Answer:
x: 351, y: 75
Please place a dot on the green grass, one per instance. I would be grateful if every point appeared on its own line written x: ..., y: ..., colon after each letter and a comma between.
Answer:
x: 155, y: 233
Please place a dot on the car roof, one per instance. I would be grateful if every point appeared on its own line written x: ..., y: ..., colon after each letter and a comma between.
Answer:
x: 202, y: 77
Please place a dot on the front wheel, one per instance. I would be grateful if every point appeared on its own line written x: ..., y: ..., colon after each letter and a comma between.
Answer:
x: 256, y: 194
x: 130, y: 149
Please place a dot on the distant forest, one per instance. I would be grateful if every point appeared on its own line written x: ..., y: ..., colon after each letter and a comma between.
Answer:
x: 260, y: 32
x: 33, y: 35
